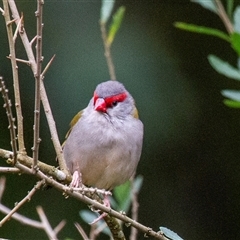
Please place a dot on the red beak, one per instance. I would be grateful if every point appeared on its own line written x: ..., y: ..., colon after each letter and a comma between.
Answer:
x: 100, y: 105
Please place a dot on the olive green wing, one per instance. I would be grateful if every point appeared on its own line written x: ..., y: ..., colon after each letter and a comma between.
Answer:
x: 72, y: 123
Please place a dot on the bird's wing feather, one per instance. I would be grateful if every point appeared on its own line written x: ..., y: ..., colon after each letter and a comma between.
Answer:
x: 72, y: 123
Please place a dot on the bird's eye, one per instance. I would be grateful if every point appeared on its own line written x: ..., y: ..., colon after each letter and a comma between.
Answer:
x: 114, y: 103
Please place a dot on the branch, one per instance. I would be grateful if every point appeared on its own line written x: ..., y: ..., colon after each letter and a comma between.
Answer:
x: 11, y: 120
x: 38, y: 76
x: 47, y: 227
x: 135, y: 205
x: 15, y: 77
x: 223, y: 15
x: 32, y: 223
x: 28, y: 161
x: 69, y: 191
x: 20, y: 204
x: 9, y: 170
x: 107, y: 53
x: 45, y: 102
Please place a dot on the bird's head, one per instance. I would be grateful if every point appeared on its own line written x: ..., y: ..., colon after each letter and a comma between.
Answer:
x: 113, y: 99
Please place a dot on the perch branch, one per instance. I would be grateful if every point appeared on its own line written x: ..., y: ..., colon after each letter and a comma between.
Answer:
x: 11, y: 41
x: 11, y: 120
x: 28, y: 161
x: 69, y: 191
x: 38, y: 79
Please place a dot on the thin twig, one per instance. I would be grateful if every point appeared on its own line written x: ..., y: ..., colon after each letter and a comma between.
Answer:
x: 46, y: 225
x: 21, y: 144
x: 37, y: 75
x: 11, y: 120
x: 223, y: 15
x: 135, y: 205
x: 20, y: 60
x: 20, y: 218
x: 107, y: 52
x: 33, y: 40
x: 44, y: 98
x: 2, y: 186
x: 2, y: 11
x: 21, y: 203
x: 9, y: 170
x: 17, y: 29
x: 81, y: 231
x: 47, y: 66
x: 59, y: 227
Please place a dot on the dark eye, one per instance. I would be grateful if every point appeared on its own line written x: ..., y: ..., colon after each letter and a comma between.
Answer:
x: 114, y: 103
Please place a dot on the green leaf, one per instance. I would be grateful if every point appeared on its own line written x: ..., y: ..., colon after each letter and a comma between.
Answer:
x: 170, y: 234
x: 223, y: 67
x: 232, y: 94
x: 236, y: 19
x: 202, y: 30
x: 209, y: 4
x: 106, y: 10
x: 122, y: 194
x: 231, y: 103
x: 235, y: 41
x: 116, y: 23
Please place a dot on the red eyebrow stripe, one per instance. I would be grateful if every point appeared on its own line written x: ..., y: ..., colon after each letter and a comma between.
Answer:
x: 116, y: 98
x: 109, y: 100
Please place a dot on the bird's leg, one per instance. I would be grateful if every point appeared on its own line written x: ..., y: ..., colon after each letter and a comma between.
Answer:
x: 76, y: 179
x: 106, y: 202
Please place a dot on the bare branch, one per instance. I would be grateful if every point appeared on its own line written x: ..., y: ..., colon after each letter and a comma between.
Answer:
x: 2, y: 186
x: 20, y: 60
x: 17, y: 29
x: 2, y: 11
x: 81, y: 231
x: 15, y: 77
x: 135, y: 205
x: 44, y: 97
x: 46, y: 226
x: 223, y: 15
x: 27, y: 161
x: 20, y: 204
x: 107, y: 52
x: 20, y: 218
x: 48, y: 65
x: 9, y: 170
x: 38, y: 79
x: 11, y: 120
x: 59, y: 227
x: 33, y: 40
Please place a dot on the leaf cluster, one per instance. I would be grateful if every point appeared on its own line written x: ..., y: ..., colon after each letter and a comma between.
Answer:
x: 231, y: 19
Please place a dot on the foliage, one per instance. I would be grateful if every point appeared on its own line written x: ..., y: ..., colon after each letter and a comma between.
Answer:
x: 231, y: 19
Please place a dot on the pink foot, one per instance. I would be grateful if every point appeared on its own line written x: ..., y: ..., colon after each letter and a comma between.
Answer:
x: 76, y: 180
x: 106, y: 202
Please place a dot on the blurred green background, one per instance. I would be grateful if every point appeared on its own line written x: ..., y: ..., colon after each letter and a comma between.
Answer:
x: 190, y: 159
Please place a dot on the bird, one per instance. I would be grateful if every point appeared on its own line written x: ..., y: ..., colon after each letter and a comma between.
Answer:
x: 104, y: 144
